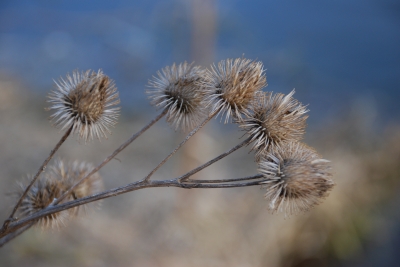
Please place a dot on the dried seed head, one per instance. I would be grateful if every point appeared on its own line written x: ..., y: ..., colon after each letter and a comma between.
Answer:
x: 297, y: 178
x: 231, y: 86
x: 43, y: 193
x: 71, y: 173
x: 86, y: 101
x: 177, y: 89
x: 274, y: 119
x: 54, y: 184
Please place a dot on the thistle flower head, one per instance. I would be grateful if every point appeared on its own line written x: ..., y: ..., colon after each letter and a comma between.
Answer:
x: 53, y: 185
x: 231, y: 85
x: 43, y: 193
x: 176, y: 88
x: 72, y: 172
x: 297, y: 178
x: 86, y: 102
x: 274, y: 119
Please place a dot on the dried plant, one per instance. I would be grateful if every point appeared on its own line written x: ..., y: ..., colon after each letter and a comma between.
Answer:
x: 274, y: 119
x: 86, y: 102
x: 70, y: 173
x: 53, y: 185
x: 177, y: 89
x: 231, y: 86
x: 294, y: 175
x: 42, y: 195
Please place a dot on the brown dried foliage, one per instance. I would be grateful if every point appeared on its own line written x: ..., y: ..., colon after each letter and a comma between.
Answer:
x: 274, y: 119
x: 54, y: 184
x: 85, y: 101
x: 297, y: 178
x: 176, y: 88
x: 40, y: 196
x: 231, y: 86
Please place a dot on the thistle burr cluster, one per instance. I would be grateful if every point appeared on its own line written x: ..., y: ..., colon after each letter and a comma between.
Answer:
x: 177, y: 89
x: 296, y: 178
x: 86, y: 102
x: 53, y: 185
x: 275, y: 124
x: 71, y: 173
x: 293, y: 174
x: 40, y: 196
x: 274, y: 119
x: 231, y: 85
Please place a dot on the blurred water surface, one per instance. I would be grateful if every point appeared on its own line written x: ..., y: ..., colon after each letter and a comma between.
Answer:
x: 333, y: 53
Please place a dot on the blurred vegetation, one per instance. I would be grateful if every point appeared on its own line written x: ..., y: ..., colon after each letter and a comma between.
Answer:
x: 218, y: 227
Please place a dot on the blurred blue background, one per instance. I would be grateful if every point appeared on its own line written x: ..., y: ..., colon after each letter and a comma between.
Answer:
x: 343, y: 59
x: 334, y: 53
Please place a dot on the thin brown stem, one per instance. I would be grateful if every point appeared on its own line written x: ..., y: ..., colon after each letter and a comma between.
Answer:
x: 14, y: 226
x: 105, y: 161
x: 144, y: 183
x: 13, y: 235
x: 185, y: 177
x: 220, y: 181
x: 41, y: 169
x: 147, y: 178
x: 200, y: 185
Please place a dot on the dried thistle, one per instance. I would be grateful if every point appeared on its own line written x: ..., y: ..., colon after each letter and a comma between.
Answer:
x: 177, y: 89
x: 41, y: 195
x: 274, y: 119
x: 71, y: 173
x: 231, y: 86
x: 297, y: 178
x: 85, y: 101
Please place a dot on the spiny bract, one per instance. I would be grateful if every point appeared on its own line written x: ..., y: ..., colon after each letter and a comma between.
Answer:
x: 86, y: 102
